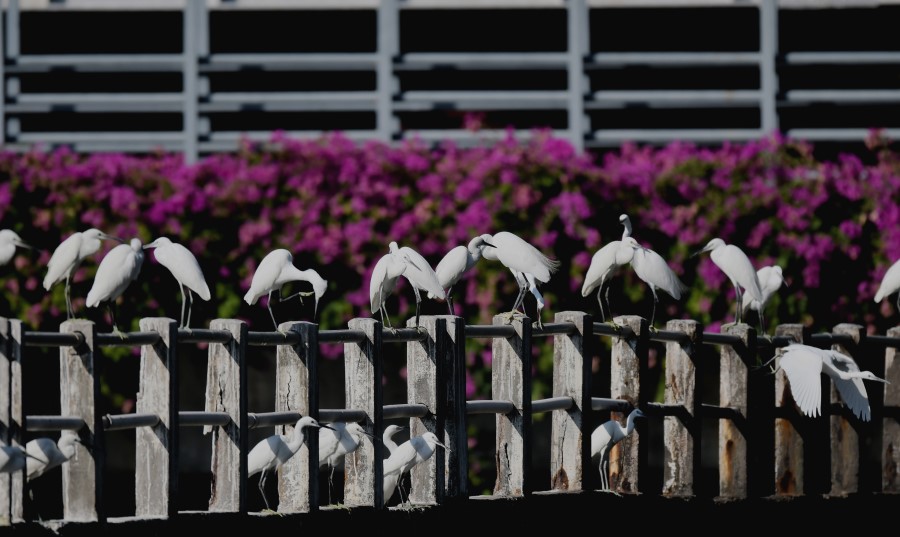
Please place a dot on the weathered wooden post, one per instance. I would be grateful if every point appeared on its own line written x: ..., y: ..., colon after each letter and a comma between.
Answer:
x: 734, y: 377
x: 789, y: 459
x: 79, y: 386
x: 11, y: 484
x: 570, y: 442
x: 890, y: 440
x: 844, y: 437
x: 226, y: 391
x: 456, y: 474
x: 511, y: 381
x: 156, y: 448
x: 426, y: 384
x: 625, y: 383
x: 681, y: 432
x: 363, y: 468
x: 296, y: 381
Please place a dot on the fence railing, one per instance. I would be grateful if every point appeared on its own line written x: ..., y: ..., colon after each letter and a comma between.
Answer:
x: 763, y: 449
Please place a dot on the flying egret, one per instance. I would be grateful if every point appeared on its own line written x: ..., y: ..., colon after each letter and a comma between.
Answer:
x: 604, y: 263
x: 9, y: 239
x: 890, y: 284
x: 44, y: 454
x: 272, y: 452
x: 605, y: 437
x: 457, y: 262
x: 390, y: 481
x: 117, y: 270
x: 274, y: 271
x: 408, y: 454
x: 419, y: 274
x: 334, y: 443
x: 655, y: 272
x: 518, y: 255
x: 804, y: 365
x: 771, y: 279
x: 68, y: 256
x: 737, y: 266
x: 186, y: 270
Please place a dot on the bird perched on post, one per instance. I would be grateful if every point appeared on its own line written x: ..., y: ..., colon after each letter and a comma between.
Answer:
x: 737, y: 266
x: 419, y: 274
x: 404, y: 262
x: 9, y: 239
x: 771, y: 279
x: 186, y: 270
x: 604, y: 263
x: 655, y: 272
x: 273, y: 272
x: 68, y: 256
x: 408, y: 454
x: 803, y: 366
x: 519, y: 256
x: 270, y: 453
x: 44, y: 454
x: 117, y: 270
x: 457, y: 262
x: 337, y: 441
x: 606, y: 436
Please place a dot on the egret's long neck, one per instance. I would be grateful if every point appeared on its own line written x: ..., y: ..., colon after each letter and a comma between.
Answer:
x: 629, y: 424
x: 296, y: 439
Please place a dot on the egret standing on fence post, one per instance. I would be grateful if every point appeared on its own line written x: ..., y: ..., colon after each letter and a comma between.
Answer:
x: 419, y: 274
x: 117, y: 270
x: 273, y: 272
x: 737, y: 266
x: 771, y: 279
x: 890, y: 284
x: 9, y: 239
x: 457, y: 262
x: 408, y: 454
x: 655, y: 272
x: 186, y: 270
x: 272, y: 452
x: 606, y: 436
x: 604, y: 262
x: 335, y: 442
x: 68, y: 256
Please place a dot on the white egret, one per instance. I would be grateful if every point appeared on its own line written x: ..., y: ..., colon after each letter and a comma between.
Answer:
x: 804, y: 364
x: 419, y: 274
x: 771, y: 278
x: 9, y: 239
x: 12, y: 459
x: 490, y: 254
x: 890, y: 284
x: 334, y: 443
x: 68, y: 256
x: 606, y: 436
x: 390, y: 482
x: 387, y: 438
x: 408, y: 454
x: 382, y: 283
x: 737, y: 266
x: 604, y: 263
x: 117, y: 270
x: 457, y: 262
x: 276, y: 270
x: 518, y: 255
x: 272, y: 452
x: 44, y: 454
x: 656, y: 273
x: 186, y: 270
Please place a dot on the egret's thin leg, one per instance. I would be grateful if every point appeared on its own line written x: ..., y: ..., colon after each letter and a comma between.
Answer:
x: 262, y: 489
x: 653, y: 311
x: 449, y: 301
x: 608, y: 307
x: 762, y: 322
x: 183, y: 300
x: 418, y: 300
x: 269, y: 305
x: 69, y: 313
x: 190, y: 305
x: 600, y: 301
x: 737, y: 309
x: 520, y: 298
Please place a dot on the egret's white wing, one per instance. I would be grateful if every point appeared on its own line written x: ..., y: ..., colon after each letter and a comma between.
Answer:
x: 736, y: 263
x: 803, y: 367
x: 328, y: 443
x: 602, y: 264
x: 853, y: 390
x: 653, y: 269
x: 184, y: 266
x: 420, y: 274
x: 452, y: 266
x: 516, y: 253
x: 381, y: 284
x: 266, y: 274
x: 115, y: 272
x: 64, y: 257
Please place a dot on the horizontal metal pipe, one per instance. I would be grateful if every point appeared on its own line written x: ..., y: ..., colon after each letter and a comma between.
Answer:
x: 327, y: 415
x: 884, y: 341
x: 129, y: 339
x: 53, y: 339
x: 618, y: 405
x: 668, y: 335
x: 552, y: 403
x: 550, y: 329
x: 53, y: 423
x: 129, y: 421
x: 271, y: 419
x: 403, y: 334
x: 341, y: 336
x: 608, y: 329
x: 825, y: 339
x: 203, y: 335
x: 662, y: 409
x: 412, y: 410
x: 489, y: 407
x: 777, y: 341
x: 271, y: 339
x: 196, y: 418
x: 490, y: 330
x: 714, y: 338
x: 720, y: 412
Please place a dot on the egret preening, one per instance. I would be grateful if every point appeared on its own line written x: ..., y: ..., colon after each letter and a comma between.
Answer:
x: 490, y: 254
x: 186, y: 270
x: 68, y: 257
x: 737, y: 266
x: 890, y: 284
x: 336, y: 442
x: 419, y: 274
x: 408, y: 454
x: 457, y: 262
x: 44, y: 454
x: 117, y: 270
x: 655, y: 272
x: 9, y: 239
x: 804, y: 365
x: 273, y: 272
x: 518, y: 255
x: 771, y: 279
x: 272, y: 452
x: 605, y: 437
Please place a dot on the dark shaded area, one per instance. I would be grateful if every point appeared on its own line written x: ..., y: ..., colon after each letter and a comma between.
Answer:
x: 683, y: 29
x: 862, y: 28
x: 476, y: 30
x: 78, y: 32
x: 346, y: 30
